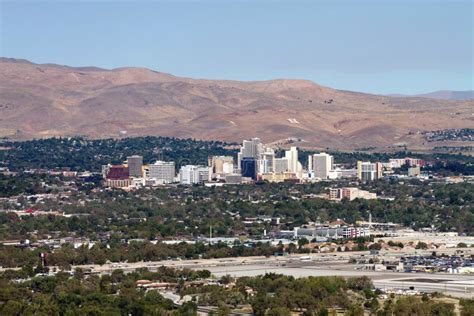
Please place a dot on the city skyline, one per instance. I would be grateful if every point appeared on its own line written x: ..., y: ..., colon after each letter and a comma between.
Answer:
x: 256, y: 162
x: 231, y: 157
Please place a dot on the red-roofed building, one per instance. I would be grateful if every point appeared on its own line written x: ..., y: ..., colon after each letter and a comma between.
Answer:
x: 118, y: 177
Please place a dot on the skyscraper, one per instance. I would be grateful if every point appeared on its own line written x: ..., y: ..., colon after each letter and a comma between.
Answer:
x: 250, y: 149
x: 292, y: 157
x: 322, y: 165
x: 266, y: 164
x: 135, y: 164
x: 249, y: 167
x: 281, y: 165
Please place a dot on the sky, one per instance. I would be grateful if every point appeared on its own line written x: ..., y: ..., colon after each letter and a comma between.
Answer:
x: 378, y: 46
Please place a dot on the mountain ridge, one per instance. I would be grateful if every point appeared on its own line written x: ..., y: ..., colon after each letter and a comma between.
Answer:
x: 43, y: 100
x: 442, y: 95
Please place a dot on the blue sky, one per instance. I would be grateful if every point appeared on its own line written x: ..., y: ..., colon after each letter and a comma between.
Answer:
x: 372, y: 46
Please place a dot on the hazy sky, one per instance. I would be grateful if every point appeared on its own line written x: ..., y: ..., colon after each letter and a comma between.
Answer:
x: 373, y: 46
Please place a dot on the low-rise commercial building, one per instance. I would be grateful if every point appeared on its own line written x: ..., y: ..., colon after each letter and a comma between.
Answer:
x: 278, y: 177
x: 411, y: 162
x: 350, y: 194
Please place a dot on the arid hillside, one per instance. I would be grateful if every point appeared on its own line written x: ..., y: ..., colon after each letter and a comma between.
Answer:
x: 51, y: 100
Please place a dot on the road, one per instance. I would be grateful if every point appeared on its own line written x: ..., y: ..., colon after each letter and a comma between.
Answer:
x: 324, y: 258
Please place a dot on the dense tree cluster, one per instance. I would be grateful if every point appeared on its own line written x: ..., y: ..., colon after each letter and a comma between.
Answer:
x: 165, y: 213
x: 417, y: 306
x: 26, y: 184
x: 81, y: 294
x: 110, y: 218
x: 274, y: 294
x: 79, y: 153
x: 271, y: 294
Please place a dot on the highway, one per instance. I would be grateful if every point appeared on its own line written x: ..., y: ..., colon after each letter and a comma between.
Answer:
x: 325, y: 258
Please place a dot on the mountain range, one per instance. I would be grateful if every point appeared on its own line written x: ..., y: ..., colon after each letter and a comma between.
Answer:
x: 442, y: 95
x: 45, y: 100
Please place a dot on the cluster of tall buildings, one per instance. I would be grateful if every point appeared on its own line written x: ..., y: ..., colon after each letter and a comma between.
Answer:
x: 255, y: 162
x: 260, y: 163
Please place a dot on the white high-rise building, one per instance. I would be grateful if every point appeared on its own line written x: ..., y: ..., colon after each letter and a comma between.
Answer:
x: 292, y: 157
x: 266, y: 164
x: 310, y: 163
x: 281, y: 165
x: 299, y: 170
x: 322, y: 165
x: 162, y: 171
x: 250, y: 149
x: 191, y: 174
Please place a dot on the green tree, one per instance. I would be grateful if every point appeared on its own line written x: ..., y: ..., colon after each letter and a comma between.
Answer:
x: 302, y: 241
x: 467, y: 307
x: 421, y: 245
x: 278, y: 311
x: 259, y: 304
x: 354, y: 310
x: 223, y: 310
x: 12, y: 307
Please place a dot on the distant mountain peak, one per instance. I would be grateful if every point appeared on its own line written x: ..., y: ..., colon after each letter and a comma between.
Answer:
x: 14, y: 60
x: 442, y: 95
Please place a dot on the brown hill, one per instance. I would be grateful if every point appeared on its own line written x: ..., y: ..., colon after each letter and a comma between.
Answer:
x: 52, y: 100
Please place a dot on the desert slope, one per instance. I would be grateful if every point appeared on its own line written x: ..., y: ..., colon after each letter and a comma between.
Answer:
x: 52, y: 100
